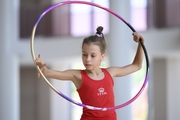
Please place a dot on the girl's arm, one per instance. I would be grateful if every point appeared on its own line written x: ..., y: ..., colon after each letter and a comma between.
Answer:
x: 136, y: 64
x: 72, y: 75
x: 60, y: 75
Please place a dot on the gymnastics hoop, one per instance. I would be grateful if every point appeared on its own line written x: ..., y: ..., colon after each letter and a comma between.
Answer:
x: 64, y: 96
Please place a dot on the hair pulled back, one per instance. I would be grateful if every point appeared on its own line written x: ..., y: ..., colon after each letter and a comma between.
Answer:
x: 97, y: 39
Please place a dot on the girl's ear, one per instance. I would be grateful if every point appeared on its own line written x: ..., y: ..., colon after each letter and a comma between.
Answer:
x: 103, y: 55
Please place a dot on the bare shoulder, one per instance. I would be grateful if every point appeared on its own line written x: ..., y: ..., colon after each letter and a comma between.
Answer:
x: 77, y: 74
x: 77, y: 78
x: 114, y: 71
x: 111, y: 71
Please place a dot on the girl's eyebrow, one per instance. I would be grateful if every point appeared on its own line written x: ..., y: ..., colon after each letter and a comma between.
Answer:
x: 83, y: 51
x: 91, y: 53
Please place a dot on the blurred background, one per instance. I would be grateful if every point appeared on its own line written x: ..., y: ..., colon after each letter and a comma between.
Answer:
x: 58, y: 39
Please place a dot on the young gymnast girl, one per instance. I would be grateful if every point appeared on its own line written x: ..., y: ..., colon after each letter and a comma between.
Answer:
x: 94, y: 84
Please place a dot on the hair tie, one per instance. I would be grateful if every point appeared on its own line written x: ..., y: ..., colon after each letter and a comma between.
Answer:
x: 99, y: 35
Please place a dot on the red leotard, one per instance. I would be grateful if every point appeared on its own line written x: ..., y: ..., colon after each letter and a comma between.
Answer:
x: 98, y: 93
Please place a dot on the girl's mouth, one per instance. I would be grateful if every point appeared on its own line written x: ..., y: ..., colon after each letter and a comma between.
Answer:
x: 88, y: 65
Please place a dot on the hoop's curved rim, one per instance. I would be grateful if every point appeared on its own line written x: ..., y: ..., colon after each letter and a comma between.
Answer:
x: 64, y: 96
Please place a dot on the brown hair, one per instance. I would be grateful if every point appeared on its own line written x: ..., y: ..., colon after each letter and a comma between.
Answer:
x: 97, y: 39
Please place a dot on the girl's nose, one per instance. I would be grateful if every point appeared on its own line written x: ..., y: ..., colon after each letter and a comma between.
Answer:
x: 88, y: 58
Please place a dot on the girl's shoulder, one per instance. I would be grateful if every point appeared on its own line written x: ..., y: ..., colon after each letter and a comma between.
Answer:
x: 77, y: 79
x: 112, y: 70
x: 75, y: 71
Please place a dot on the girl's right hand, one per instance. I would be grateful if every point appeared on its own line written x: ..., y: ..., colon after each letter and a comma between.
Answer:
x: 40, y: 63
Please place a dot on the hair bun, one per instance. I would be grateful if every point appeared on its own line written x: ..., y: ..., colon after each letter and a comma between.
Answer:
x: 99, y: 30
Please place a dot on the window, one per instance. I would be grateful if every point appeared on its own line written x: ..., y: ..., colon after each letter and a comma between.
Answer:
x: 138, y: 14
x: 74, y: 19
x: 85, y: 19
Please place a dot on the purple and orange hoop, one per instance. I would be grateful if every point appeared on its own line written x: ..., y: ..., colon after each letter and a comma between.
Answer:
x: 64, y: 96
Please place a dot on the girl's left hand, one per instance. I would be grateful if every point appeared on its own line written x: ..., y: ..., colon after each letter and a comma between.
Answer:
x: 137, y: 37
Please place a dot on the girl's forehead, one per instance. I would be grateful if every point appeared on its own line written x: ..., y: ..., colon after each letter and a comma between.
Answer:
x: 90, y: 47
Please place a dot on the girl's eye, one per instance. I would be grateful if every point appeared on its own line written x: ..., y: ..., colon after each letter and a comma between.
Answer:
x: 93, y: 56
x: 84, y: 55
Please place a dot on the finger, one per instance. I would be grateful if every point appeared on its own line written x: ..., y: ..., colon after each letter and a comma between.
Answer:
x: 42, y: 68
x: 38, y: 55
x: 142, y: 39
x: 38, y: 75
x: 134, y: 33
x: 136, y: 39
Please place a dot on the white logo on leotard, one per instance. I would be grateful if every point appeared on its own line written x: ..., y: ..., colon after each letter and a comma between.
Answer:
x: 101, y: 91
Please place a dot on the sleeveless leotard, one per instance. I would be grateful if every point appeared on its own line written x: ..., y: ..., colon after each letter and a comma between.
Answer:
x: 97, y: 93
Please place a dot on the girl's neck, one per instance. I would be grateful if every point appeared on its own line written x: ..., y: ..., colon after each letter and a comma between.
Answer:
x: 95, y: 75
x: 95, y: 72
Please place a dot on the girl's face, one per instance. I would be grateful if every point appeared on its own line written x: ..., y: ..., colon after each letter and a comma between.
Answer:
x: 91, y: 56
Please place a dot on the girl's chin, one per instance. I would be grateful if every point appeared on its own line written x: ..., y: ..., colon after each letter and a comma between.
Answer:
x: 88, y: 68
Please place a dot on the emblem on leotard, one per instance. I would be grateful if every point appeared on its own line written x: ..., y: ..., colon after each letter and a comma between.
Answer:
x: 101, y: 91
